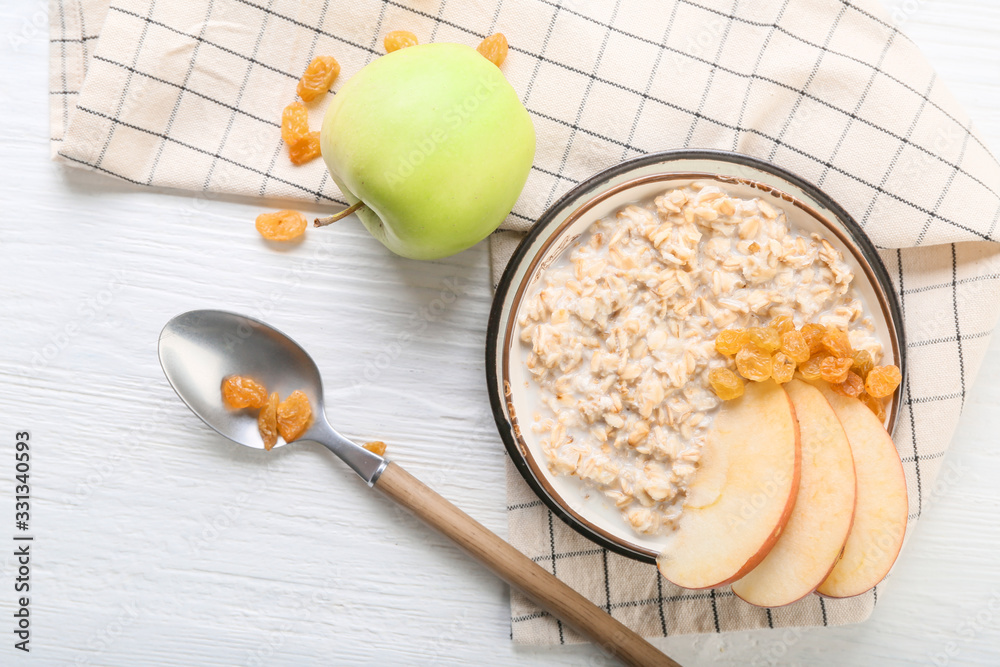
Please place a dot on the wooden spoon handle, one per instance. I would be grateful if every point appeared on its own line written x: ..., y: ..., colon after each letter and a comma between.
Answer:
x: 518, y: 570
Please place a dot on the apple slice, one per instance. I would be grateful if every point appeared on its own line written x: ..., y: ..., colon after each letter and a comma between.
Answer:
x: 881, y: 510
x: 742, y: 494
x: 814, y: 537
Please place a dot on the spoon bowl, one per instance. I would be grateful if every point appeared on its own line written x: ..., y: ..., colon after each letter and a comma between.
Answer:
x: 200, y: 348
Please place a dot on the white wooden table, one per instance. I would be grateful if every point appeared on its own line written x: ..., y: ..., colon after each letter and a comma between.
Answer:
x: 158, y: 543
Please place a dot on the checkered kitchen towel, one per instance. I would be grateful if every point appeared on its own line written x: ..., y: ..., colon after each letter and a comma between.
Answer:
x: 188, y: 95
x: 74, y: 28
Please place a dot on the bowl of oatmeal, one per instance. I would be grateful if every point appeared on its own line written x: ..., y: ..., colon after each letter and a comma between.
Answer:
x: 601, y: 339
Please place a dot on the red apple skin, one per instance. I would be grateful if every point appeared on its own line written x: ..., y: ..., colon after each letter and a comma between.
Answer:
x: 895, y: 555
x: 765, y: 548
x: 841, y: 554
x: 833, y: 564
x: 844, y: 597
x: 897, y: 465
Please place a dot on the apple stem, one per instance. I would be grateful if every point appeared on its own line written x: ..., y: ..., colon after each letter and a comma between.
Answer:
x: 323, y: 222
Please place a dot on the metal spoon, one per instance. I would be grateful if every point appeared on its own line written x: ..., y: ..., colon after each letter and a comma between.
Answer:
x: 198, y: 349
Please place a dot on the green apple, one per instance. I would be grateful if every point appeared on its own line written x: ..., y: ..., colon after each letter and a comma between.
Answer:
x: 436, y: 145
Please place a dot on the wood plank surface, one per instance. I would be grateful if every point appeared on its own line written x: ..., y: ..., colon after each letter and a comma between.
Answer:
x: 159, y: 544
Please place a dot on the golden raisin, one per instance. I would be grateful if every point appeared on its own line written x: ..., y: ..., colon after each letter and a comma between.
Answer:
x: 782, y: 324
x: 304, y: 149
x: 863, y: 363
x: 765, y: 338
x: 782, y: 368
x: 794, y: 346
x: 813, y: 334
x: 267, y: 421
x: 810, y: 369
x: 853, y: 385
x: 240, y: 392
x: 494, y: 48
x: 753, y: 363
x: 729, y: 341
x: 882, y: 381
x: 725, y: 383
x: 398, y: 39
x: 294, y: 416
x: 375, y: 447
x: 835, y: 369
x: 318, y: 77
x: 874, y: 404
x: 281, y: 226
x: 837, y: 343
x: 294, y: 122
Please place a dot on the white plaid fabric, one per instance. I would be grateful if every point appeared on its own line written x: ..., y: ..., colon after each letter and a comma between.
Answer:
x: 74, y: 26
x: 189, y: 94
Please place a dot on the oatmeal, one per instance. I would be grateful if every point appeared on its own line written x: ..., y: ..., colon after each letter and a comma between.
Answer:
x: 620, y: 335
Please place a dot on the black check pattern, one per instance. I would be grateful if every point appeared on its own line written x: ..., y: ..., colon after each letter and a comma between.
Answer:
x: 828, y: 89
x: 74, y: 27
